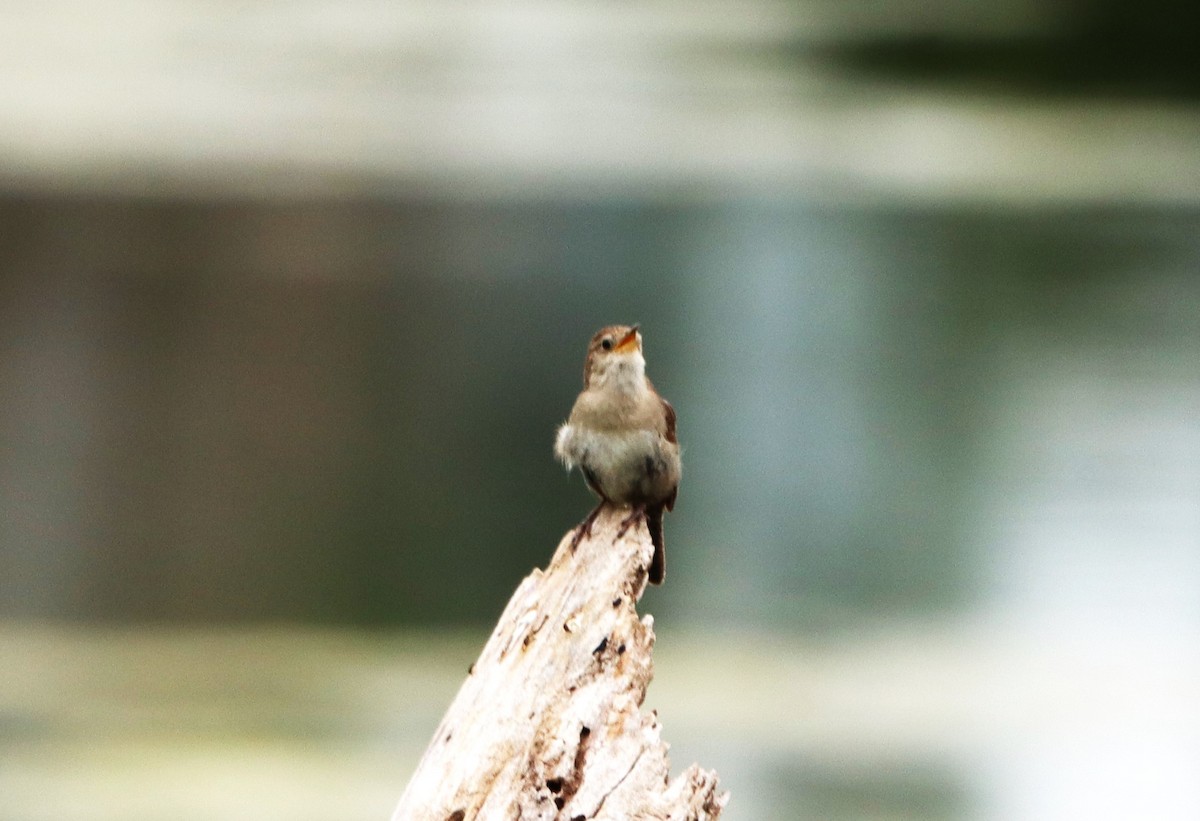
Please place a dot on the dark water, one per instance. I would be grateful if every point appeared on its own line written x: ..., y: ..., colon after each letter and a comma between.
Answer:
x: 342, y: 412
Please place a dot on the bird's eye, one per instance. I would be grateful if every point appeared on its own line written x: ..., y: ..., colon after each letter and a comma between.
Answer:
x: 606, y: 344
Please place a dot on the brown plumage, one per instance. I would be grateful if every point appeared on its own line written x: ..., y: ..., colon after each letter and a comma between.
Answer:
x: 621, y: 434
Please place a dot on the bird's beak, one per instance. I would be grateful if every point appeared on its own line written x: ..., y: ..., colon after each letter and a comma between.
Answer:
x: 629, y: 342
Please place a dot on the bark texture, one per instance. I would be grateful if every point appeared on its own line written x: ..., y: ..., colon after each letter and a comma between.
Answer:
x: 548, y: 724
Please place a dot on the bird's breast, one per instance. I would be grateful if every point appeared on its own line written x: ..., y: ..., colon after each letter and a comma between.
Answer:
x: 629, y: 466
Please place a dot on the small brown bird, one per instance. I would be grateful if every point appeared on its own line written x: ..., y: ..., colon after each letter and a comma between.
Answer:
x: 621, y: 434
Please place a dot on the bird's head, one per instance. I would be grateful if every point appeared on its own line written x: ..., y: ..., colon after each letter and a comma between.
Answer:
x: 614, y: 355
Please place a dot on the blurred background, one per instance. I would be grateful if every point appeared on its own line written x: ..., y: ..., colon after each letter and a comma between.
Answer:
x: 293, y: 295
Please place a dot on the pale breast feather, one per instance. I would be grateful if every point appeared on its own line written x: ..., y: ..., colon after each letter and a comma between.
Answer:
x: 565, y: 446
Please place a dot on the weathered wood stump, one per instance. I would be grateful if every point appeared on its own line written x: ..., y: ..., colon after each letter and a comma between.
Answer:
x: 548, y: 723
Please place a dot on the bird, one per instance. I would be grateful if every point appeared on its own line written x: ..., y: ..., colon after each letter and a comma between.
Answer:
x: 621, y: 435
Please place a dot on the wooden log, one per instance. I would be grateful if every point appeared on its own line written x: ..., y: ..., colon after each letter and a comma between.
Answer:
x: 548, y: 724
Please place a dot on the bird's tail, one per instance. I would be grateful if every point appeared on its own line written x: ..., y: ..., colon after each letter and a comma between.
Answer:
x: 658, y: 565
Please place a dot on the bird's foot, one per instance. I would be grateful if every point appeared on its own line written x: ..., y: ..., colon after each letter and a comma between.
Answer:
x: 585, y: 527
x: 636, y: 515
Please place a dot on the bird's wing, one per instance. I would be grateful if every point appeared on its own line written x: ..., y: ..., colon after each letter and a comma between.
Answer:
x: 669, y: 412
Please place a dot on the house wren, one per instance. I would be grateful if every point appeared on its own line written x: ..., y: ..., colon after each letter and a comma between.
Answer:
x: 621, y: 434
